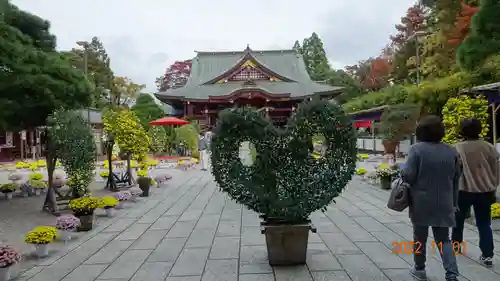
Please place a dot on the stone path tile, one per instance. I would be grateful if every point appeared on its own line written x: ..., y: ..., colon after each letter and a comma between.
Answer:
x: 189, y: 231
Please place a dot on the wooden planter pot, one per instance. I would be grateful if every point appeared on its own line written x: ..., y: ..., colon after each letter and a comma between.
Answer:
x: 286, y: 244
x: 385, y: 183
x: 86, y: 222
x: 390, y: 146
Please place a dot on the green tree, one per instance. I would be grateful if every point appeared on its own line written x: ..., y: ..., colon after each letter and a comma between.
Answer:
x: 352, y: 88
x: 297, y: 47
x: 124, y: 90
x: 484, y: 37
x: 319, y: 69
x: 188, y: 135
x: 128, y: 132
x: 147, y: 109
x: 315, y: 58
x: 93, y: 58
x: 158, y: 139
x: 75, y: 147
x: 34, y: 78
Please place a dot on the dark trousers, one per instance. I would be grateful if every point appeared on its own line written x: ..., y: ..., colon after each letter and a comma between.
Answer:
x: 442, y: 245
x: 481, y: 202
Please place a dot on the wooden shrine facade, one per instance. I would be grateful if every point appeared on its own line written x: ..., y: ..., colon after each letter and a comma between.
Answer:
x: 274, y: 81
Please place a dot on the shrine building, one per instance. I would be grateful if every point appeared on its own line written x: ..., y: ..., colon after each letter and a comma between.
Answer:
x: 274, y: 81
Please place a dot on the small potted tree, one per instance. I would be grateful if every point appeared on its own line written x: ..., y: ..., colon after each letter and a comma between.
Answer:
x: 396, y: 123
x: 285, y: 183
x: 8, y: 257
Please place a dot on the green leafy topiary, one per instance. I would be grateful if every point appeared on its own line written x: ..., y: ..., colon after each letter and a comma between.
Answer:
x: 285, y: 181
x: 457, y: 109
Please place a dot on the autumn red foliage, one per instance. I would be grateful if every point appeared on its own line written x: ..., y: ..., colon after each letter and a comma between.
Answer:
x: 462, y: 24
x: 378, y: 75
x: 413, y: 21
x: 175, y: 76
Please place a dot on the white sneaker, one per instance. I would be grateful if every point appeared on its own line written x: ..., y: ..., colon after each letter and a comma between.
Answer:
x: 420, y: 275
x: 488, y: 262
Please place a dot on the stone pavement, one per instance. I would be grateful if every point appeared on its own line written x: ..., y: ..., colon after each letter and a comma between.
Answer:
x: 189, y: 231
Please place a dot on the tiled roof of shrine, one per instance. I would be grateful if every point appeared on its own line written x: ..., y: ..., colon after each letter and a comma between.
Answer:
x: 287, y: 66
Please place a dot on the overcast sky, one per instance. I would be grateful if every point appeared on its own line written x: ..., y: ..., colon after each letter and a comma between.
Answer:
x: 143, y: 37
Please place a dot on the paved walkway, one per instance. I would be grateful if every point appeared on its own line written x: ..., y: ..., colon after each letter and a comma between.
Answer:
x: 189, y: 231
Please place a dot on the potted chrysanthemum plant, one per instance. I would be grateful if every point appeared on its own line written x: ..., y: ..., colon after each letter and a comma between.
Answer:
x: 109, y: 203
x: 8, y: 189
x: 15, y: 177
x: 8, y: 257
x: 136, y: 193
x: 104, y: 175
x: 495, y: 216
x: 83, y: 208
x: 41, y: 237
x: 38, y: 186
x: 66, y: 225
x: 361, y: 172
x: 385, y: 175
x: 122, y: 196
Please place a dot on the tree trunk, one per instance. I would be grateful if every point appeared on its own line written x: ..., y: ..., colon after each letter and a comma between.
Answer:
x: 50, y: 203
x: 129, y: 170
x: 111, y: 179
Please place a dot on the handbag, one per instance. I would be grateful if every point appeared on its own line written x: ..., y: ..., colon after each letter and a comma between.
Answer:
x: 399, y: 198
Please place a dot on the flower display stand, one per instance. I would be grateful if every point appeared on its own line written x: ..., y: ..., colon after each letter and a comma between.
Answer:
x: 110, y: 212
x: 495, y: 224
x: 65, y: 235
x: 5, y: 273
x: 41, y: 250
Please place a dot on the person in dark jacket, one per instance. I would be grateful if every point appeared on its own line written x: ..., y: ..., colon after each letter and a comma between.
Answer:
x: 432, y: 170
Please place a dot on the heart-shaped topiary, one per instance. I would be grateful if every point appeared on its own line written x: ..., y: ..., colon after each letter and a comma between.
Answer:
x: 285, y: 182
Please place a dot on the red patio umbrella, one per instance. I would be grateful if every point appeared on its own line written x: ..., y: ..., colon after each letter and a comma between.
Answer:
x: 169, y: 121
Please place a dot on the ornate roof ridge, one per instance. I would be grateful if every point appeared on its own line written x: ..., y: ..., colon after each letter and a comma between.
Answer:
x: 248, y: 50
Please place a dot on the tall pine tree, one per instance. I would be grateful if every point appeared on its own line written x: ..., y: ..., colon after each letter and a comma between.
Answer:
x: 315, y: 58
x: 97, y: 65
x: 319, y: 69
x: 484, y: 37
x: 297, y: 47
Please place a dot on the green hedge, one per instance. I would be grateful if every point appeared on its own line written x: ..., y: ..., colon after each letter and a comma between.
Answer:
x: 432, y: 94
